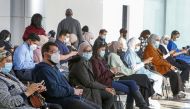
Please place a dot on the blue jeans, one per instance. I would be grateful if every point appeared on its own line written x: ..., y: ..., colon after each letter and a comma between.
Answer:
x: 127, y: 86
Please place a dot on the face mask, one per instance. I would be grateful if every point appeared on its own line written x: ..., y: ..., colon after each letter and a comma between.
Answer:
x: 157, y: 44
x: 66, y: 40
x: 137, y: 48
x: 87, y: 55
x: 33, y: 47
x: 7, y: 39
x: 7, y: 68
x: 55, y: 58
x: 166, y: 42
x: 104, y: 37
x: 102, y: 53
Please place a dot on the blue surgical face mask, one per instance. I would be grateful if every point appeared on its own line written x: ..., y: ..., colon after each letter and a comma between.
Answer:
x: 87, y: 55
x: 157, y: 44
x: 7, y: 68
x: 102, y: 53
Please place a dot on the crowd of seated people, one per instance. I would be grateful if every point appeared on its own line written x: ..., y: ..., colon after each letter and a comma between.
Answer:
x: 87, y: 75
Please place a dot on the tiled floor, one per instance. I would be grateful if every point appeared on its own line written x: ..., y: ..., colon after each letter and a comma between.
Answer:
x: 171, y: 104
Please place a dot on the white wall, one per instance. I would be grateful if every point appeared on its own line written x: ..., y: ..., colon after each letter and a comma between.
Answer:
x: 178, y: 18
x: 154, y: 16
x: 88, y: 12
x: 112, y: 17
x: 4, y: 14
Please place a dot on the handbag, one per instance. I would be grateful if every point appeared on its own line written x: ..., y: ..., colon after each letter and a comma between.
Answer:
x: 37, y: 100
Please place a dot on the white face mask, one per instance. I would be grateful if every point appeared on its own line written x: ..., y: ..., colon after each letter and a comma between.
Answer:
x: 33, y: 47
x: 55, y: 57
x: 7, y: 39
x: 66, y: 40
x: 157, y: 44
x: 166, y: 42
x: 137, y: 48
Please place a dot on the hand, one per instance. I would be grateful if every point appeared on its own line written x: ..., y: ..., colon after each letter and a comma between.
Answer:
x: 149, y: 60
x: 78, y: 92
x: 173, y: 68
x: 73, y: 53
x: 114, y: 70
x: 110, y: 90
x: 172, y: 52
x: 42, y: 87
x: 32, y: 88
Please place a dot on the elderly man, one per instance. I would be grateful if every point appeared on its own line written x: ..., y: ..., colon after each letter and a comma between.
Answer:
x: 162, y: 66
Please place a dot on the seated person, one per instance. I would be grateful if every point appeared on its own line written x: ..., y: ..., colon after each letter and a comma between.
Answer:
x: 143, y: 42
x: 37, y: 52
x: 51, y: 36
x: 180, y: 54
x: 105, y: 76
x: 72, y: 42
x: 124, y: 73
x: 162, y: 66
x: 23, y: 58
x: 58, y: 89
x: 81, y: 75
x: 61, y: 41
x: 5, y: 36
x: 169, y: 56
x: 13, y: 94
x: 134, y: 62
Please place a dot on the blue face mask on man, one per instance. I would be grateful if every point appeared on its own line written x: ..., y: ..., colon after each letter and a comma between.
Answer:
x: 7, y: 68
x: 87, y: 55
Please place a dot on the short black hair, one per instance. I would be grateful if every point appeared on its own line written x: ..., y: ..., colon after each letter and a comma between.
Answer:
x: 4, y: 34
x: 85, y: 28
x: 36, y: 20
x: 69, y: 12
x: 46, y: 47
x: 145, y: 32
x: 52, y: 33
x: 33, y: 37
x: 63, y: 32
x: 102, y: 31
x: 175, y: 32
x: 123, y: 30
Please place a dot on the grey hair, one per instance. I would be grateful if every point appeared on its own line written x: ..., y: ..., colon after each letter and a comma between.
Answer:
x: 152, y: 38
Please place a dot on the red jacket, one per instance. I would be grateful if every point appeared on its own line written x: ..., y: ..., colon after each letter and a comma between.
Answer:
x: 102, y: 72
x: 32, y: 29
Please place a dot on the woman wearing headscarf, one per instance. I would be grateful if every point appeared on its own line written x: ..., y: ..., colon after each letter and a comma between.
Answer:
x: 134, y: 62
x: 13, y: 93
x: 124, y: 73
x: 82, y: 75
x: 105, y: 75
x: 163, y: 66
x: 169, y: 56
x: 180, y: 54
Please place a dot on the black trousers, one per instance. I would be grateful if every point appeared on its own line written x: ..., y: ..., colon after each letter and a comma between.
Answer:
x: 107, y: 99
x: 175, y: 82
x: 73, y: 103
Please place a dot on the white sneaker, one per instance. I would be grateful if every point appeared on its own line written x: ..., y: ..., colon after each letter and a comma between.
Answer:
x: 154, y: 104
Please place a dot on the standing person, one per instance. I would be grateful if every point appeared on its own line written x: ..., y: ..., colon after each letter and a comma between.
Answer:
x: 72, y: 25
x: 34, y: 27
x: 180, y: 54
x: 143, y: 42
x: 59, y: 90
x: 23, y: 61
x: 123, y: 39
x: 163, y: 66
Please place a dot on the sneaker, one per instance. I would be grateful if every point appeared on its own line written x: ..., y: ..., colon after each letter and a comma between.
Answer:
x: 156, y: 96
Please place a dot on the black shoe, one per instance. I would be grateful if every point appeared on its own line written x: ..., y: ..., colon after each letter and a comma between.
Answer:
x: 139, y: 100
